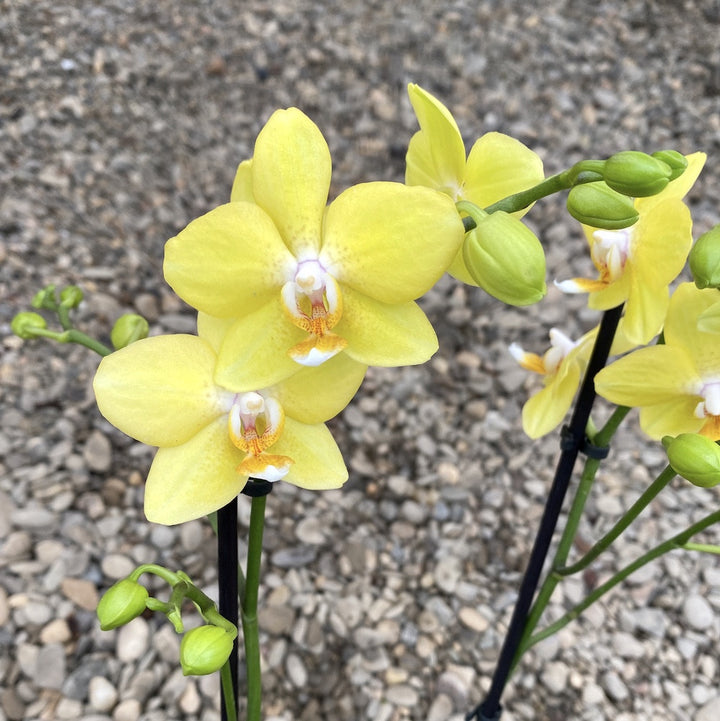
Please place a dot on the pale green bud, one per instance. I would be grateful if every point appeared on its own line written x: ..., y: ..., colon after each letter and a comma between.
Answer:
x: 599, y: 206
x: 677, y: 162
x: 127, y: 329
x: 695, y: 458
x: 636, y: 174
x: 45, y: 298
x: 704, y: 259
x: 506, y: 259
x: 23, y: 324
x: 71, y: 296
x: 121, y: 603
x: 204, y: 650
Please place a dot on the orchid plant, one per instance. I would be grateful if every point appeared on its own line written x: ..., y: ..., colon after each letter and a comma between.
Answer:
x: 296, y: 297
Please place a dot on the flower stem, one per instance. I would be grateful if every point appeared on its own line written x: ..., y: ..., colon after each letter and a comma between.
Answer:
x: 249, y: 608
x: 72, y: 335
x: 572, y: 441
x: 228, y: 693
x: 678, y: 541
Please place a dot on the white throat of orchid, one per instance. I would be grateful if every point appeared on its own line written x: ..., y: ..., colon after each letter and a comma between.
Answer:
x: 255, y: 423
x: 610, y: 252
x: 313, y: 302
x: 709, y: 408
x: 549, y: 363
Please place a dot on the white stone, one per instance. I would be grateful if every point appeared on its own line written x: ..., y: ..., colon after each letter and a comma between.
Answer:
x: 698, y: 612
x: 296, y: 671
x: 102, y: 694
x: 710, y: 711
x: 127, y: 710
x: 132, y: 640
x: 554, y: 676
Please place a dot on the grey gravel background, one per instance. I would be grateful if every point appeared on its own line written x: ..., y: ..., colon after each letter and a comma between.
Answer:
x: 122, y: 120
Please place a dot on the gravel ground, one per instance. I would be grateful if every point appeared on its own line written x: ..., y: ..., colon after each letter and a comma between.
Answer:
x: 122, y: 120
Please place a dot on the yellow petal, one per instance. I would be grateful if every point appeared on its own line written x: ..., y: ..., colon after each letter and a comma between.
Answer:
x: 441, y: 155
x: 194, y: 479
x: 385, y: 335
x: 291, y: 177
x: 242, y: 185
x: 159, y: 390
x: 546, y: 409
x: 645, y: 310
x: 671, y: 418
x: 658, y: 374
x: 498, y: 166
x: 213, y: 330
x: 317, y: 461
x: 661, y: 241
x: 687, y: 305
x: 229, y: 261
x: 314, y: 395
x: 390, y: 241
x: 254, y: 353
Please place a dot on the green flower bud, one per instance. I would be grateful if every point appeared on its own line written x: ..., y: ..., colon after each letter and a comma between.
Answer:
x: 506, y: 259
x: 704, y: 259
x: 71, y: 296
x: 127, y: 329
x: 204, y: 650
x: 23, y: 324
x: 599, y: 206
x: 677, y: 162
x: 45, y: 298
x: 121, y: 603
x: 636, y: 174
x: 695, y: 458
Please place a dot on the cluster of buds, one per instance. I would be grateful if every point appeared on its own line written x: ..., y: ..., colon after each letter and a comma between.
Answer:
x: 203, y: 650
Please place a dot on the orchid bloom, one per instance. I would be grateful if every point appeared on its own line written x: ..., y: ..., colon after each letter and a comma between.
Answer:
x: 496, y: 167
x: 562, y: 367
x: 303, y: 282
x: 637, y: 264
x: 676, y: 385
x: 162, y: 391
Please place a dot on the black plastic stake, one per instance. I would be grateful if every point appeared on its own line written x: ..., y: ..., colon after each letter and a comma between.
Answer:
x: 572, y: 441
x: 228, y: 584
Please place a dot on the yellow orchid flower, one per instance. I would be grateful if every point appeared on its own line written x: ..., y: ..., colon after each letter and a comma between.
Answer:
x: 305, y: 282
x: 675, y: 385
x: 496, y: 167
x: 562, y: 367
x: 211, y: 438
x: 637, y: 264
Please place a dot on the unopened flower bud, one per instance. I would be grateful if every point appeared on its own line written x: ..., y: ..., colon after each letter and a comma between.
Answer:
x: 695, y: 458
x: 71, y: 296
x: 204, y: 650
x: 636, y: 174
x: 23, y: 324
x: 599, y: 206
x: 677, y: 162
x: 704, y: 259
x: 121, y: 603
x: 127, y: 329
x: 45, y: 298
x: 506, y: 259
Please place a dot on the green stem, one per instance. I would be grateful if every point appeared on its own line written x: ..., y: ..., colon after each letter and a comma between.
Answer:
x: 73, y: 336
x: 249, y: 608
x: 227, y: 690
x: 586, y: 171
x: 704, y: 547
x: 678, y: 541
x: 601, y: 439
x: 628, y: 517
